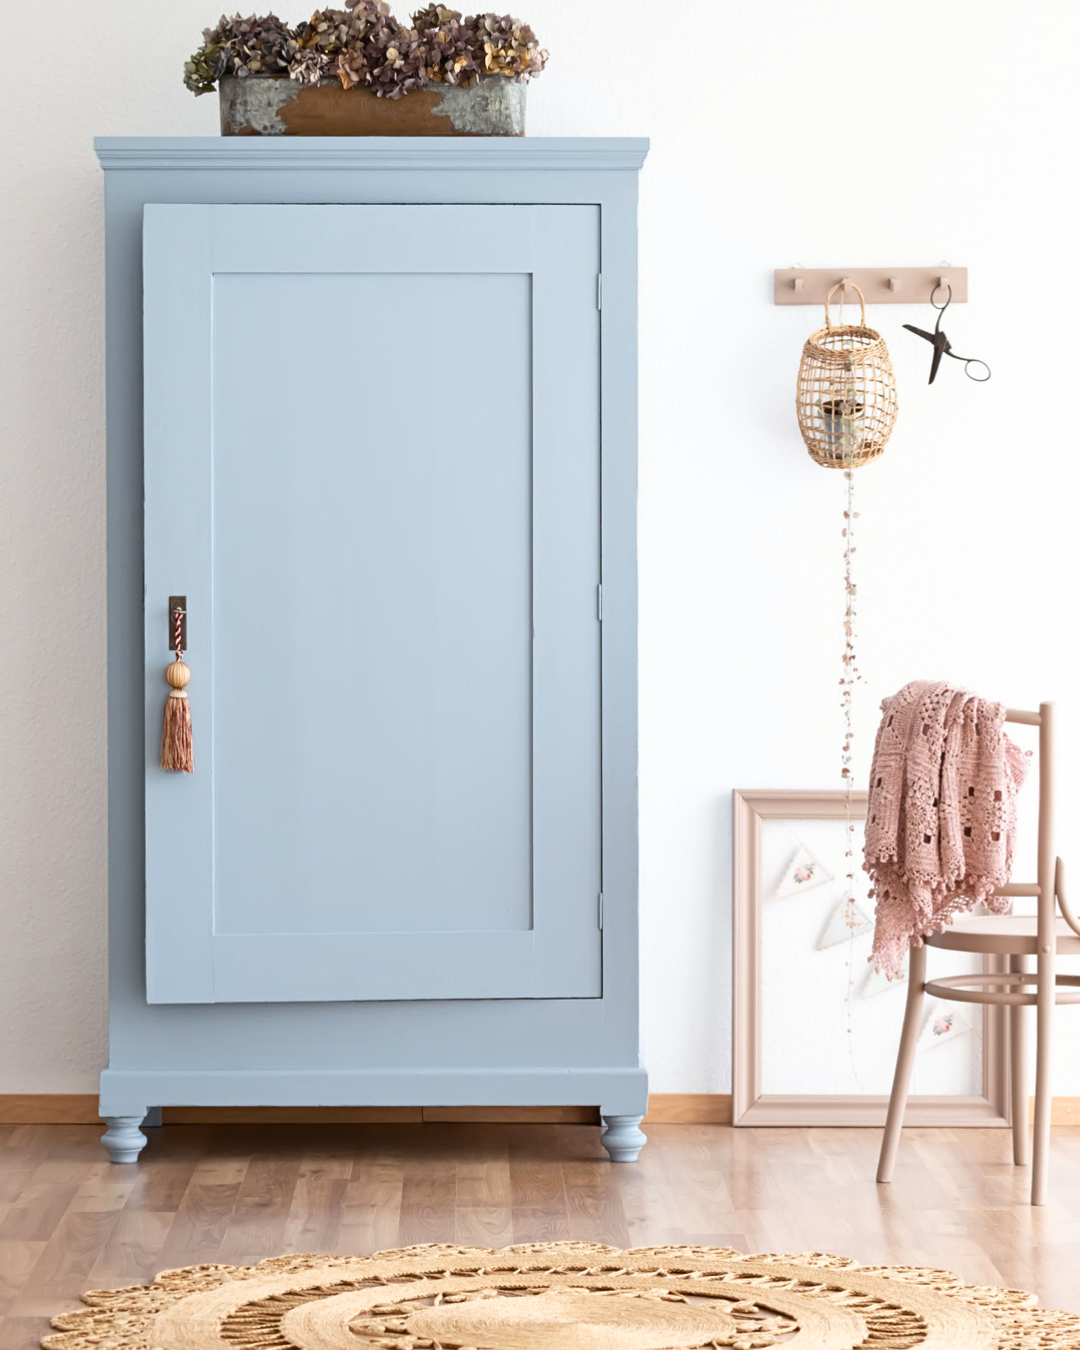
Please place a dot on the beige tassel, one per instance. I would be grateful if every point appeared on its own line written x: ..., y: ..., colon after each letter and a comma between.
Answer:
x: 177, y: 752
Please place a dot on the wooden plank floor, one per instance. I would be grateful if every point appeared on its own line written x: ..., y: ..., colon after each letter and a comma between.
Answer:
x: 70, y: 1221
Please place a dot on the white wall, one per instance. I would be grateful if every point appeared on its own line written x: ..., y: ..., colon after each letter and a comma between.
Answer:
x: 955, y: 127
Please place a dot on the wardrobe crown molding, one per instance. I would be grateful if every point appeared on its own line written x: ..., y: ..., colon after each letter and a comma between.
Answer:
x: 371, y: 152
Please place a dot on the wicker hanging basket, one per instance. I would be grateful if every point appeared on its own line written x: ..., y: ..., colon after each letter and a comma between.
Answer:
x: 846, y: 399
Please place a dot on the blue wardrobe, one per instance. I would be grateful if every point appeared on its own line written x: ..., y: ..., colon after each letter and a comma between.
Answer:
x: 372, y: 415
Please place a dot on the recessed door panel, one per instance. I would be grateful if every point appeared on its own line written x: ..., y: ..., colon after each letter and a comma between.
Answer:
x: 372, y: 466
x: 387, y: 593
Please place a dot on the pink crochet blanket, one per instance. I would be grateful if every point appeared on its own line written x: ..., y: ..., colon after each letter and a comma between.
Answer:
x: 941, y: 816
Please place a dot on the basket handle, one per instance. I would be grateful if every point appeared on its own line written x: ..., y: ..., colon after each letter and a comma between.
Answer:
x: 858, y: 292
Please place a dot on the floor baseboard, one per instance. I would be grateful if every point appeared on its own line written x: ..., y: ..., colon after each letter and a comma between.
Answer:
x: 1064, y: 1111
x: 689, y: 1108
x: 81, y: 1109
x: 49, y: 1108
x: 665, y: 1108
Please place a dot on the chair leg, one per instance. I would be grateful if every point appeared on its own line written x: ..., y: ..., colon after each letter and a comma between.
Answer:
x: 1044, y: 1014
x: 1045, y: 954
x: 1018, y: 1074
x: 905, y: 1060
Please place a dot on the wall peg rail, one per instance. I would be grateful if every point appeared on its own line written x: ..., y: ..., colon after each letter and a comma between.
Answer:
x: 880, y: 285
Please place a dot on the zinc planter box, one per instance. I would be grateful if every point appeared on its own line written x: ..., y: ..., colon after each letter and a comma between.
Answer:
x: 277, y: 106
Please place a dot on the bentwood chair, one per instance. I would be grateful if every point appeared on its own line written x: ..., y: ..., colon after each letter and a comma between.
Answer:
x: 1044, y: 935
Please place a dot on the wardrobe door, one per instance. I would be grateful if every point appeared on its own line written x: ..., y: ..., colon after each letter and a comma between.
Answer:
x: 372, y: 467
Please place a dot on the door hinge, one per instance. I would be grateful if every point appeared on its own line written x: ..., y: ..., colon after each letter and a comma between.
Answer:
x: 600, y: 603
x: 600, y: 290
x: 600, y: 911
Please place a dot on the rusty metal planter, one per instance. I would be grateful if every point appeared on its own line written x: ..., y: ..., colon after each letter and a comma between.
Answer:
x: 274, y: 106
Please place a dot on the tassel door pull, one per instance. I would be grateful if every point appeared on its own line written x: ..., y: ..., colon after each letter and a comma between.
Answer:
x: 177, y: 752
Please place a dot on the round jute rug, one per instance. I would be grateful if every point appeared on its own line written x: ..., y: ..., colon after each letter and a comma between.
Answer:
x: 561, y: 1296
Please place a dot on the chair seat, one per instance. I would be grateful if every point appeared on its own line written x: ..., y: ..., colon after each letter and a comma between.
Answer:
x: 1002, y: 935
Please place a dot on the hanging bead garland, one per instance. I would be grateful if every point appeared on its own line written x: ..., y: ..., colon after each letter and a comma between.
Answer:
x: 849, y: 677
x: 846, y: 402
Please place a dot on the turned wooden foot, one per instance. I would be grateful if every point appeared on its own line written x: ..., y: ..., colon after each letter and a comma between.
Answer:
x: 123, y: 1140
x: 622, y: 1138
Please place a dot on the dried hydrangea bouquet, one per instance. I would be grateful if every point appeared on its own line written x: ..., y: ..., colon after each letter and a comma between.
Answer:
x: 333, y: 74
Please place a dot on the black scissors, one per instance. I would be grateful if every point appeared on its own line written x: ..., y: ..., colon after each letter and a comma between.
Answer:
x: 942, y: 345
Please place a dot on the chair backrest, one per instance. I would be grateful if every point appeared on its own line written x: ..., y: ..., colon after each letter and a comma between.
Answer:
x: 1048, y: 862
x: 1052, y: 896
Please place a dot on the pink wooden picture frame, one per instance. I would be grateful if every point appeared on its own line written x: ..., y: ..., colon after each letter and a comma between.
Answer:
x: 750, y: 1106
